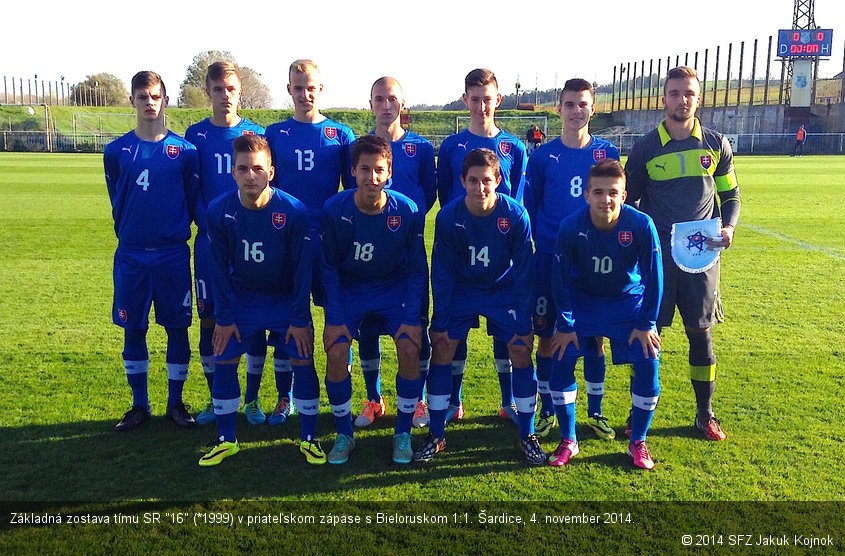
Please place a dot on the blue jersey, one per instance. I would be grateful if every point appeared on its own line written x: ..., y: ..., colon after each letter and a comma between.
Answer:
x: 414, y: 174
x: 260, y: 258
x: 621, y: 268
x: 509, y: 149
x: 153, y: 190
x: 366, y: 254
x: 214, y: 144
x: 555, y: 184
x: 489, y: 254
x: 311, y: 160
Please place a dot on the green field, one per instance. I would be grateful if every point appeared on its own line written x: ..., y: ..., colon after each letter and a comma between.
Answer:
x: 781, y: 381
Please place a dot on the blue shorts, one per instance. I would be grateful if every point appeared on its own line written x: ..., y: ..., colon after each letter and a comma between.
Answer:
x: 383, y: 312
x: 620, y: 350
x: 142, y: 278
x: 234, y: 349
x: 545, y: 310
x: 202, y: 275
x: 500, y: 311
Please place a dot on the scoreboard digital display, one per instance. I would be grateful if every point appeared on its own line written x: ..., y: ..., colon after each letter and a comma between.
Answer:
x: 804, y: 43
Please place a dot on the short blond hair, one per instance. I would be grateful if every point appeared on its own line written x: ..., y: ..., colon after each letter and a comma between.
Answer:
x: 303, y: 65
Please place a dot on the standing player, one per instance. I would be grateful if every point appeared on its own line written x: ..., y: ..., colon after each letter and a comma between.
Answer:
x: 481, y: 265
x: 482, y: 98
x: 676, y: 172
x: 374, y: 267
x: 607, y: 281
x: 311, y: 157
x: 414, y: 176
x: 554, y: 189
x: 261, y: 265
x: 213, y: 138
x: 151, y: 175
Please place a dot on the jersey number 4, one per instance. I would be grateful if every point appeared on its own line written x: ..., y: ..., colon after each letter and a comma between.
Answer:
x: 144, y: 179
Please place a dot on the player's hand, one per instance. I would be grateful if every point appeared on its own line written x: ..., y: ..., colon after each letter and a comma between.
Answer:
x: 414, y: 333
x: 725, y: 241
x: 526, y: 340
x: 332, y: 333
x: 561, y: 340
x: 649, y: 340
x: 304, y: 338
x: 222, y: 335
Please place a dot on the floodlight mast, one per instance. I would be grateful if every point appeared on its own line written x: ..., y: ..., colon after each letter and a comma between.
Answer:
x: 803, y: 17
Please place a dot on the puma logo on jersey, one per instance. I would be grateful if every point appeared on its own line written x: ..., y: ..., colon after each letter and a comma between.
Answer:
x: 202, y: 134
x: 661, y: 166
x: 232, y: 216
x: 285, y: 131
x: 463, y: 146
x: 585, y: 235
x: 557, y: 158
x: 345, y: 219
x: 459, y: 225
x: 127, y: 149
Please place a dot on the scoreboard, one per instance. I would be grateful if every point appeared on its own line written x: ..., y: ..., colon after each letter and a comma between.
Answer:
x: 804, y: 43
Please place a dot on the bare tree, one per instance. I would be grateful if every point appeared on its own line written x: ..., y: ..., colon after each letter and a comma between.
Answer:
x: 254, y: 93
x: 195, y: 78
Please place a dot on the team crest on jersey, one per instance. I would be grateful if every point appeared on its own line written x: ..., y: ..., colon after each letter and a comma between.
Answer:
x: 505, y: 147
x: 410, y: 149
x: 248, y: 132
x: 504, y: 225
x: 599, y: 154
x: 626, y: 238
x: 172, y: 151
x: 279, y: 219
x: 706, y: 161
x: 331, y: 132
x: 393, y: 222
x: 121, y: 314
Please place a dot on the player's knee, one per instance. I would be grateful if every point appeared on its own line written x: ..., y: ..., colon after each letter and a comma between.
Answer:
x: 338, y: 354
x: 407, y: 350
x: 594, y: 345
x: 701, y: 346
x: 442, y: 352
x: 520, y: 355
x: 544, y: 347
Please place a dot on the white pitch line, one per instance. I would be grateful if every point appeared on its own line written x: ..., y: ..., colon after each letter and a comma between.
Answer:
x: 797, y: 242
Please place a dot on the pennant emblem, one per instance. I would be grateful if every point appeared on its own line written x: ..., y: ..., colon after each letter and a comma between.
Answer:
x: 599, y: 155
x: 331, y: 132
x: 410, y: 149
x: 172, y: 151
x: 279, y: 219
x: 505, y: 147
x: 504, y: 225
x: 393, y: 222
x: 626, y: 238
x: 706, y: 161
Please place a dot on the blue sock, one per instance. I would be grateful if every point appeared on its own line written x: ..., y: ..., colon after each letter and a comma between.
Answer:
x: 645, y: 392
x: 136, y: 363
x: 407, y: 396
x: 564, y: 393
x: 284, y: 376
x: 227, y: 399
x: 594, y: 373
x: 501, y: 358
x: 544, y: 371
x: 340, y: 398
x: 459, y: 365
x: 525, y: 394
x: 178, y: 356
x: 438, y: 383
x: 306, y: 394
x: 369, y: 350
x: 253, y: 383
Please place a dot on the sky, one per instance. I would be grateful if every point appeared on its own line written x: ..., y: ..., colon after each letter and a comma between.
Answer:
x: 429, y: 47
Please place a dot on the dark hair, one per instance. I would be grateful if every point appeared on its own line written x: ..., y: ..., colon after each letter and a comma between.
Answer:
x: 480, y: 77
x: 370, y: 144
x: 576, y: 85
x: 250, y: 144
x: 147, y: 79
x: 481, y: 157
x: 221, y: 70
x: 607, y: 168
x: 681, y: 72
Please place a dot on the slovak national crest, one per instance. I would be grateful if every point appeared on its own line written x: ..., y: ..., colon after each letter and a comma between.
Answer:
x: 626, y: 238
x: 121, y: 313
x: 505, y: 147
x: 172, y: 151
x: 410, y: 149
x: 331, y: 132
x: 706, y: 161
x: 504, y: 225
x: 393, y: 222
x: 279, y: 219
x: 599, y: 154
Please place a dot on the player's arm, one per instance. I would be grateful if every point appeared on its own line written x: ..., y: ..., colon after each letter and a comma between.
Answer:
x: 111, y: 169
x: 636, y: 176
x: 417, y: 271
x: 517, y: 176
x: 443, y: 268
x: 650, y: 263
x: 728, y: 191
x: 562, y: 293
x: 191, y: 181
x: 300, y: 248
x: 444, y: 173
x: 535, y: 184
x: 221, y: 285
x: 428, y: 175
x: 346, y: 178
x: 522, y: 253
x: 331, y: 258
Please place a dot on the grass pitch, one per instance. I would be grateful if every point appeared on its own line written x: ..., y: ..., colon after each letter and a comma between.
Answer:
x: 781, y: 364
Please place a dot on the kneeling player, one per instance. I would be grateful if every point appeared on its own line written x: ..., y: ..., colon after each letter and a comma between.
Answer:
x: 261, y: 270
x: 481, y: 265
x: 607, y: 281
x: 374, y: 266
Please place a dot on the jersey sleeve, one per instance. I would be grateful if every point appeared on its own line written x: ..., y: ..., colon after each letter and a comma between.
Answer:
x: 726, y: 185
x: 346, y: 178
x: 330, y: 261
x: 534, y: 189
x: 301, y: 252
x: 428, y: 177
x: 444, y: 174
x: 523, y: 268
x: 650, y: 262
x: 442, y: 273
x: 191, y: 181
x: 221, y: 285
x: 520, y: 163
x: 562, y: 280
x: 418, y: 271
x: 112, y: 172
x: 636, y: 176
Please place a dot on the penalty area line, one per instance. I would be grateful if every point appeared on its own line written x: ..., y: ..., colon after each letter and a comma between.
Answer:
x: 797, y: 242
